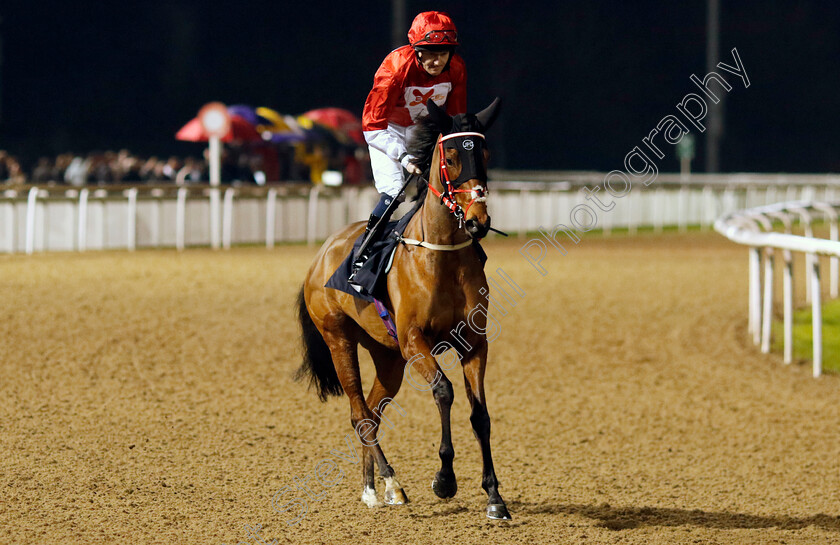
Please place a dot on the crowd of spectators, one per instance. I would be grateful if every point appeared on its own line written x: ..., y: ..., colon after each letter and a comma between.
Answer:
x: 239, y: 166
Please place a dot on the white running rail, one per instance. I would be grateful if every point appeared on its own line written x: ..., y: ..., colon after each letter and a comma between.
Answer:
x: 754, y: 227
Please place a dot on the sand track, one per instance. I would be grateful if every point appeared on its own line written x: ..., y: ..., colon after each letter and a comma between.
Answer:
x: 146, y: 398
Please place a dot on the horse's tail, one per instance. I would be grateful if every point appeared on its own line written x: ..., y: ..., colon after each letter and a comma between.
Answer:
x: 317, y: 361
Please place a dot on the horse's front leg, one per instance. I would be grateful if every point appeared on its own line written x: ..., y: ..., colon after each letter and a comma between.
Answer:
x: 480, y: 420
x: 421, y: 362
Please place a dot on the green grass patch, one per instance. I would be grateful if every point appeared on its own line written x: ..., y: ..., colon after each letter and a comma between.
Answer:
x: 644, y: 230
x: 651, y: 230
x: 803, y: 336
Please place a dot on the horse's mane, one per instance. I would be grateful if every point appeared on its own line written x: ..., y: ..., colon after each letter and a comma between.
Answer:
x: 422, y: 146
x: 423, y: 140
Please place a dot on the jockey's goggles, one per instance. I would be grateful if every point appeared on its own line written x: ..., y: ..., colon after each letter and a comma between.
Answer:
x: 439, y: 37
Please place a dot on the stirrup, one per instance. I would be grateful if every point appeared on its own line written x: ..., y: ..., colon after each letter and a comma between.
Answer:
x: 357, y: 266
x: 351, y: 280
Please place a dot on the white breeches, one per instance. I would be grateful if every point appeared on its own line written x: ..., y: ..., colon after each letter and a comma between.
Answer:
x: 388, y: 172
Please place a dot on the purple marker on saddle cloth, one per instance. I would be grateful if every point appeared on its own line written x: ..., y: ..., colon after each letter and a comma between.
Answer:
x: 386, y: 319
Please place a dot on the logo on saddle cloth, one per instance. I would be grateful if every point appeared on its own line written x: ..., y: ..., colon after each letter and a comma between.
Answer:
x: 416, y: 98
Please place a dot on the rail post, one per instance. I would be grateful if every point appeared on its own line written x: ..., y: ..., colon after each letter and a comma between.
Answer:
x: 215, y: 202
x: 767, y: 307
x: 769, y: 194
x: 708, y: 206
x: 81, y: 242
x: 788, y: 295
x: 227, y: 218
x: 180, y: 217
x: 154, y: 220
x: 632, y: 203
x: 270, y: 214
x: 10, y: 223
x: 805, y: 218
x: 834, y: 261
x: 755, y: 294
x: 523, y: 226
x: 767, y: 311
x: 658, y: 210
x: 682, y: 209
x: 31, y: 204
x: 312, y: 216
x: 787, y: 289
x: 816, y: 314
x: 132, y: 219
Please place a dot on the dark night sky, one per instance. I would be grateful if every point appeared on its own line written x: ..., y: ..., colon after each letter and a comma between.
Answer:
x: 583, y: 81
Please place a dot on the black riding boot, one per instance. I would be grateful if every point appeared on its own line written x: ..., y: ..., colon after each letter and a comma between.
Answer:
x: 363, y: 256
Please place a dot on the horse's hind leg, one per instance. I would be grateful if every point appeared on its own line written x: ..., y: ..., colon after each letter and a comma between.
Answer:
x: 389, y: 373
x: 369, y: 480
x: 341, y: 338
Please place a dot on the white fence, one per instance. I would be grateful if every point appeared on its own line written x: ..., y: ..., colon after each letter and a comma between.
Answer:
x: 56, y: 218
x: 754, y: 227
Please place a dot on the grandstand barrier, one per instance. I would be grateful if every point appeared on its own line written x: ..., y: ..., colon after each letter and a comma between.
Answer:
x: 62, y: 218
x: 754, y: 227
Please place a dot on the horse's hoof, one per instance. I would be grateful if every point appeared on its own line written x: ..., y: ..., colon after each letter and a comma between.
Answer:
x: 369, y: 498
x: 395, y: 497
x: 444, y: 488
x: 497, y: 511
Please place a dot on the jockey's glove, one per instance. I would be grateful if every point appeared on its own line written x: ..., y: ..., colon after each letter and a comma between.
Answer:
x: 407, y: 161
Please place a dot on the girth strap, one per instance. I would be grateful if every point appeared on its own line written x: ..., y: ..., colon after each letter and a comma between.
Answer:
x: 429, y: 245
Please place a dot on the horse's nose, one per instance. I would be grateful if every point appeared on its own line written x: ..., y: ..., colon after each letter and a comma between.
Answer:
x: 477, y: 229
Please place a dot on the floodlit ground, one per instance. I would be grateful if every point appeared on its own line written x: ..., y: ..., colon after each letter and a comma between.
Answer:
x: 147, y: 398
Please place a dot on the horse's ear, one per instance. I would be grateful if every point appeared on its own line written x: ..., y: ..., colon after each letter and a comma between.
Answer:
x: 488, y: 115
x: 442, y: 120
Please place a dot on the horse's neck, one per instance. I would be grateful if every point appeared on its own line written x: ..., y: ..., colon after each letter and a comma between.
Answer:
x: 436, y: 224
x: 435, y: 219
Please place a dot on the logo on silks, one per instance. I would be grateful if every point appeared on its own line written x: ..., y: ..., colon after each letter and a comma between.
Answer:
x: 468, y: 144
x: 420, y: 97
x: 416, y: 97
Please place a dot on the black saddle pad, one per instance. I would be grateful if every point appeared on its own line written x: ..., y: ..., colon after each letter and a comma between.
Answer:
x: 371, y: 277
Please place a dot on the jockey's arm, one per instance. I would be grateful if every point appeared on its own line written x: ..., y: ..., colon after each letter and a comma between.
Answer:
x: 378, y: 107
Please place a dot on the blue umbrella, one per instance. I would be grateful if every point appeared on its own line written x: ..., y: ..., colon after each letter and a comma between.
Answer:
x: 283, y: 137
x: 245, y: 112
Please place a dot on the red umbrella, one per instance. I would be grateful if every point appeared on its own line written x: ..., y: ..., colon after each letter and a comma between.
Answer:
x: 339, y: 119
x: 239, y: 130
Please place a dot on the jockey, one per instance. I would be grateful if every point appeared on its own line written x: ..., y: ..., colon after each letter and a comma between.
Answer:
x: 427, y: 68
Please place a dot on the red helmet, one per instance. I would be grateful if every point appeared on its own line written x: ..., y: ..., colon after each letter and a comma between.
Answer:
x: 433, y: 28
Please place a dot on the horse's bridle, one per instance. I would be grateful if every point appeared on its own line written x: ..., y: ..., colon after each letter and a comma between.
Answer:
x: 470, y: 169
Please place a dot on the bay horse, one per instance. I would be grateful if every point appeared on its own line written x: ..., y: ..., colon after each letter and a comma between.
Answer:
x: 431, y: 290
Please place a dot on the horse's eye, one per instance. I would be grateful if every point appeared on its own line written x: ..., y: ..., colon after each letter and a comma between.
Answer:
x: 449, y: 162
